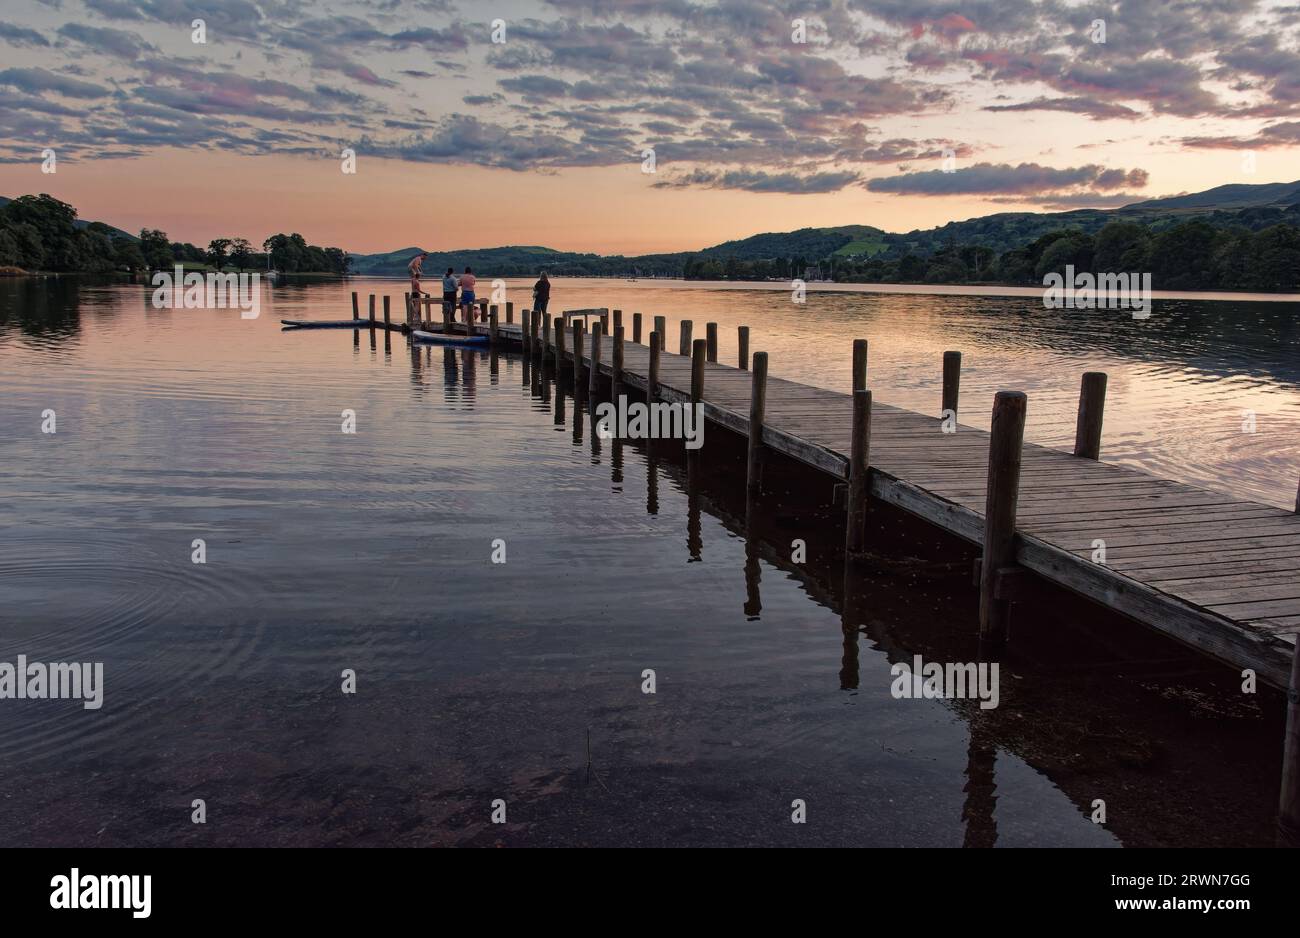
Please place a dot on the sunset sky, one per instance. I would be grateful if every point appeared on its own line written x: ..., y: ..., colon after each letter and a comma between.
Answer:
x: 463, y: 141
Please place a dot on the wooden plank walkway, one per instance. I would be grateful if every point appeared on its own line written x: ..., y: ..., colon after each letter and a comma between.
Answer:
x: 1215, y: 572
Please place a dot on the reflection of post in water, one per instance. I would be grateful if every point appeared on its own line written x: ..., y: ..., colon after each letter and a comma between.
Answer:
x: 494, y: 364
x: 651, y: 478
x: 616, y: 463
x: 694, y: 533
x: 852, y: 616
x: 560, y: 418
x: 595, y: 437
x: 450, y: 374
x: 753, y: 569
x: 469, y: 371
x: 981, y: 788
x: 417, y: 364
x: 577, y: 413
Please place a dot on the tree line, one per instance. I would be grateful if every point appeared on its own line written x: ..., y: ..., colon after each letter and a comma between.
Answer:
x: 1193, y: 255
x: 40, y: 233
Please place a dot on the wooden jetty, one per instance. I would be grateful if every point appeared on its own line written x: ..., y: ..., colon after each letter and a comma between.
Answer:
x: 1217, y: 573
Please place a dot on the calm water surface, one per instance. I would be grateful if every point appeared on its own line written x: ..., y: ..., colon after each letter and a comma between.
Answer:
x: 522, y: 681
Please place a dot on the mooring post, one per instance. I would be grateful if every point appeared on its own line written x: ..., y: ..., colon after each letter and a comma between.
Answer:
x: 616, y: 380
x: 618, y: 320
x: 757, y: 405
x: 1092, y: 403
x: 636, y: 328
x: 525, y: 336
x: 493, y: 325
x: 1006, y: 444
x: 406, y: 297
x: 593, y: 382
x: 652, y: 377
x: 1288, y: 815
x: 604, y: 321
x: 446, y: 319
x: 711, y: 333
x: 510, y: 311
x: 684, y: 346
x: 560, y: 357
x: 699, y: 353
x: 372, y: 311
x: 388, y: 319
x: 355, y: 313
x: 742, y: 340
x: 859, y: 365
x: 578, y: 333
x: 951, y: 382
x: 855, y: 536
x: 661, y: 327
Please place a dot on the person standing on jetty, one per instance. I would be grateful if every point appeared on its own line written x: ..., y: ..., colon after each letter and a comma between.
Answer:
x: 449, y: 286
x: 467, y: 282
x: 541, y: 293
x: 413, y: 269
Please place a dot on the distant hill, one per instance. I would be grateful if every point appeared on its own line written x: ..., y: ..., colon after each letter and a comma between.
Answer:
x: 1252, y: 207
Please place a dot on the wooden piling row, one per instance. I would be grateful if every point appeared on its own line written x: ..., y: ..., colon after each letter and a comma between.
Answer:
x: 855, y: 534
x: 593, y: 373
x: 616, y: 378
x: 951, y: 381
x: 652, y: 378
x: 1092, y: 404
x: 757, y: 407
x: 1006, y: 445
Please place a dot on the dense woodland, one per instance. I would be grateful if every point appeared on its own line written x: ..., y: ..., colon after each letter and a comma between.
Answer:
x: 40, y: 233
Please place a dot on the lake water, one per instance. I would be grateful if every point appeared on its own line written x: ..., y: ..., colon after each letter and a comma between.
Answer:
x: 523, y: 681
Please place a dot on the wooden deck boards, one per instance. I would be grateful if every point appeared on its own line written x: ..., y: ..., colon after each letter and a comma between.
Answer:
x: 1216, y: 572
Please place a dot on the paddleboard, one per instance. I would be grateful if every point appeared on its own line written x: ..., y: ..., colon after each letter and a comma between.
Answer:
x: 449, y: 339
x: 326, y: 323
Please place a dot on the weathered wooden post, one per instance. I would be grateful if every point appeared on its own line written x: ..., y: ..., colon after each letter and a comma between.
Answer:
x: 742, y: 339
x: 1092, y: 403
x: 616, y: 379
x: 618, y: 320
x: 578, y: 334
x: 525, y: 336
x: 355, y: 312
x: 661, y: 327
x: 757, y: 405
x: 859, y: 365
x: 711, y: 334
x: 699, y: 353
x: 493, y: 325
x: 406, y: 297
x: 560, y: 357
x: 636, y: 328
x: 388, y: 319
x: 593, y: 384
x: 855, y: 536
x: 1006, y: 444
x: 951, y: 382
x: 684, y: 346
x: 652, y: 375
x: 510, y: 311
x: 372, y: 311
x: 446, y: 319
x: 1288, y: 815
